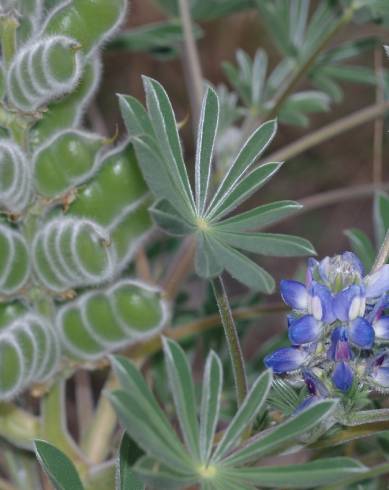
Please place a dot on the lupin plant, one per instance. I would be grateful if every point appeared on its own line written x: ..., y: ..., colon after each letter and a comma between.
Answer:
x: 82, y: 224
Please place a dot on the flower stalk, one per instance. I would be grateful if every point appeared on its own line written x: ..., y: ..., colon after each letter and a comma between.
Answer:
x: 232, y: 337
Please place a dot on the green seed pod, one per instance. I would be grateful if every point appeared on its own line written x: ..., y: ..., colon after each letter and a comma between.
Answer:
x: 88, y: 21
x: 68, y: 111
x: 29, y: 353
x: 12, y: 367
x: 69, y: 253
x: 15, y: 178
x: 117, y: 198
x: 102, y: 321
x: 65, y: 161
x: 42, y: 71
x: 14, y: 261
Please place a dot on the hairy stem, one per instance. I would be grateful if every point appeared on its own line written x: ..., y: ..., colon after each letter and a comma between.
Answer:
x: 383, y: 254
x: 232, y: 337
x: 191, y: 62
x: 329, y: 131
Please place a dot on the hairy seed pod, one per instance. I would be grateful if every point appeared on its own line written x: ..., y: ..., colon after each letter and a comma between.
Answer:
x: 29, y: 353
x: 69, y: 253
x: 103, y: 321
x: 14, y: 261
x: 15, y: 177
x: 68, y: 111
x: 42, y: 71
x: 65, y: 161
x: 88, y: 21
x: 117, y: 198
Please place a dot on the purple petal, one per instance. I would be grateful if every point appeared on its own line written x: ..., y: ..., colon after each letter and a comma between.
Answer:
x: 285, y: 359
x: 361, y: 333
x: 378, y: 283
x: 381, y: 328
x: 304, y: 330
x: 307, y: 402
x: 314, y: 385
x: 321, y: 304
x: 354, y: 261
x: 339, y: 349
x: 324, y: 268
x: 342, y: 377
x: 294, y: 294
x: 349, y: 303
x: 381, y: 376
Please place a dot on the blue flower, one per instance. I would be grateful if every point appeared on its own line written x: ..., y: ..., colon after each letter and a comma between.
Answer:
x: 286, y: 359
x: 336, y: 314
x: 378, y: 369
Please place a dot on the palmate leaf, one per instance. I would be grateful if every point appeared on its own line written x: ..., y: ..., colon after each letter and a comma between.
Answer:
x: 128, y: 454
x: 207, y: 462
x: 180, y: 212
x: 361, y: 246
x: 381, y: 216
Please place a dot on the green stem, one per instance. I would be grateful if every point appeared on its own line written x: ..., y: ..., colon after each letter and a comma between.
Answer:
x: 383, y: 254
x: 234, y: 347
x: 53, y: 425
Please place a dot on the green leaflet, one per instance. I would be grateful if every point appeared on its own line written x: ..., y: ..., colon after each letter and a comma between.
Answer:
x: 249, y: 154
x: 207, y: 262
x: 206, y: 138
x: 164, y: 124
x: 267, y: 243
x: 166, y: 216
x: 308, y: 475
x: 210, y: 403
x: 181, y: 385
x: 128, y: 454
x: 276, y: 438
x: 243, y: 189
x: 160, y: 476
x: 252, y: 405
x: 135, y: 117
x: 58, y: 466
x: 243, y: 269
x: 259, y: 217
x: 134, y: 385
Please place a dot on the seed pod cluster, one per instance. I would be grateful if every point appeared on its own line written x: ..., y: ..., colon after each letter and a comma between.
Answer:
x: 69, y: 253
x: 29, y: 352
x: 102, y: 321
x: 15, y: 178
x: 44, y: 70
x: 14, y: 261
x: 65, y: 161
x: 117, y: 198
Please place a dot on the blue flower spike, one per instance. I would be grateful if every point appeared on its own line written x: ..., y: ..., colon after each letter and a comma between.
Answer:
x: 338, y: 323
